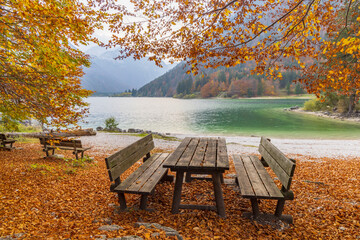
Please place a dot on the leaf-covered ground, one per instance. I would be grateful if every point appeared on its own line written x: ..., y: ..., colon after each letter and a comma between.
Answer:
x: 57, y: 199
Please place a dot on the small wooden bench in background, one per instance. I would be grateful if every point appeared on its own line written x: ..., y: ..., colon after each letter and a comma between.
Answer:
x: 50, y: 144
x: 144, y: 179
x: 255, y: 182
x: 6, y: 143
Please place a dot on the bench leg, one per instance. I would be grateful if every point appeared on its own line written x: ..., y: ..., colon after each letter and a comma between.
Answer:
x: 143, y: 201
x: 255, y: 207
x: 177, y: 192
x: 218, y: 194
x: 279, y: 207
x: 122, y: 201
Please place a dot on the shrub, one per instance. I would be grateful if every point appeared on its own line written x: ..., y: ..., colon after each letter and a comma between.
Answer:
x: 111, y: 124
x: 312, y: 105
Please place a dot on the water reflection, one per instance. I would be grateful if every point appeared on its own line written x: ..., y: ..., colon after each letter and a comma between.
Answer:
x: 217, y: 116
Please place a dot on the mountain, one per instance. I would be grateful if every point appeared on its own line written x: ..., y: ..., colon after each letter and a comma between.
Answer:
x: 231, y: 82
x: 107, y: 75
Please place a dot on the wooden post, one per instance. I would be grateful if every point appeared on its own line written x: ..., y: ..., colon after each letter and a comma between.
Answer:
x: 279, y: 207
x: 177, y: 192
x: 218, y: 194
x: 122, y: 200
x: 143, y: 201
x: 255, y: 207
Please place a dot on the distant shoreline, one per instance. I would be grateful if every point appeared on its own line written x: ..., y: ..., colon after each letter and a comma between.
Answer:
x: 338, y: 117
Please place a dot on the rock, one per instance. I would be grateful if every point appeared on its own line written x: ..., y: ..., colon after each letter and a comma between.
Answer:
x: 132, y: 237
x: 294, y: 108
x: 6, y: 238
x: 168, y: 231
x: 113, y: 205
x: 110, y: 228
x: 99, y: 129
x: 100, y: 237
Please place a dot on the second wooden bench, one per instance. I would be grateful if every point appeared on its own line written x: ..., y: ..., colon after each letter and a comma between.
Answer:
x: 144, y: 179
x: 255, y: 182
x: 51, y: 144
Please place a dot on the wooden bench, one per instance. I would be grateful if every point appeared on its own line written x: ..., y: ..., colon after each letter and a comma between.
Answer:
x: 144, y: 179
x: 6, y: 143
x: 50, y: 144
x: 255, y: 182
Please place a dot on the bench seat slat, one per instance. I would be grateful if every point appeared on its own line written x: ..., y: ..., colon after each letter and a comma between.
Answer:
x: 273, y: 190
x: 256, y: 182
x: 136, y: 174
x: 147, y: 176
x: 157, y: 175
x: 242, y: 177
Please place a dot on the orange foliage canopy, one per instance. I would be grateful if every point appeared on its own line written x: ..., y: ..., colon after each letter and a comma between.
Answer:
x: 40, y: 70
x: 229, y: 32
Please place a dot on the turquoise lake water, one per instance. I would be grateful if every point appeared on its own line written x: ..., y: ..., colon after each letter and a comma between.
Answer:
x: 242, y: 117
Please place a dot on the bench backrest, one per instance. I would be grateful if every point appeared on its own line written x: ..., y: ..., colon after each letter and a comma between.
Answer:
x: 281, y: 165
x: 2, y: 136
x: 120, y: 161
x: 57, y: 142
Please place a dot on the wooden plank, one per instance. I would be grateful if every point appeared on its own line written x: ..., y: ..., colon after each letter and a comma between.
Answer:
x: 129, y: 150
x: 136, y: 174
x: 280, y: 173
x: 199, y: 154
x: 222, y: 155
x: 210, y: 154
x: 125, y: 163
x: 268, y: 182
x: 255, y: 180
x: 175, y: 156
x: 188, y: 154
x: 286, y: 164
x: 145, y: 177
x: 246, y: 189
x: 157, y: 175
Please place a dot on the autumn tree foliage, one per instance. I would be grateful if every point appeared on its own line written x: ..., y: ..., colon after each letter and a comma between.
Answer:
x: 228, y: 32
x: 40, y: 69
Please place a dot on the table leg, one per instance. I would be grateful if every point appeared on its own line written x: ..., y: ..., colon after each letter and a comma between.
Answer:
x: 188, y: 177
x: 218, y: 194
x: 177, y: 191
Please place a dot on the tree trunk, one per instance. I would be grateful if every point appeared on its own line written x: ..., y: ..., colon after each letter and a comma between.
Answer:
x: 351, y: 104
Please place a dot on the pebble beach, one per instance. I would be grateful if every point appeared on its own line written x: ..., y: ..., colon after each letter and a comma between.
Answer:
x: 108, y: 143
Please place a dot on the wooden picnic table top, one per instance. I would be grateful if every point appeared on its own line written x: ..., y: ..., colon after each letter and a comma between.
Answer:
x: 195, y: 153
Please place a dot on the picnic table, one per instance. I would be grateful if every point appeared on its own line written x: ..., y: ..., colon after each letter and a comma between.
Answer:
x: 199, y: 156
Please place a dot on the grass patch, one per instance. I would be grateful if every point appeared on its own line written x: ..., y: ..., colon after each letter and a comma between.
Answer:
x: 43, y: 168
x: 156, y: 136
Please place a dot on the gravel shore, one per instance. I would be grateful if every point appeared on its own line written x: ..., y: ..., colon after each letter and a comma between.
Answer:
x: 108, y: 143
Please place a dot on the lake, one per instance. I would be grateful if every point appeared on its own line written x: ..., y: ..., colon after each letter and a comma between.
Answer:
x: 242, y: 117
